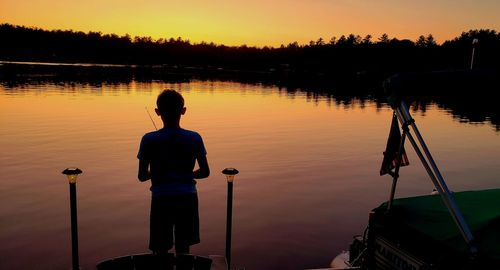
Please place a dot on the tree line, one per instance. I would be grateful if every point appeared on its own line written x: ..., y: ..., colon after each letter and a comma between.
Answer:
x: 351, y: 54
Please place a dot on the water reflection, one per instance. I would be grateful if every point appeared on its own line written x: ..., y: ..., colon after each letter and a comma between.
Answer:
x: 464, y: 104
x: 313, y: 151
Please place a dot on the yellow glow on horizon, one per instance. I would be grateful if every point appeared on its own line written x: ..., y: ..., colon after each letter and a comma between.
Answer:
x: 259, y: 22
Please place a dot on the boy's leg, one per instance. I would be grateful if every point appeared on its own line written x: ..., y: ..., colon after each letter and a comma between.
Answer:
x: 187, y: 228
x: 161, y: 225
x: 181, y: 248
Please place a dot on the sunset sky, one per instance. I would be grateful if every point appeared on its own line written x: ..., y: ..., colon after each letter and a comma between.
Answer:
x: 258, y: 22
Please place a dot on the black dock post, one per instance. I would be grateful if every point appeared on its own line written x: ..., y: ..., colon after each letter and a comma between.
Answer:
x: 72, y: 174
x: 230, y: 173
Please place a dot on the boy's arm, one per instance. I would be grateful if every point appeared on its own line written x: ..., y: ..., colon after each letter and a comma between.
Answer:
x: 144, y: 174
x: 204, y: 170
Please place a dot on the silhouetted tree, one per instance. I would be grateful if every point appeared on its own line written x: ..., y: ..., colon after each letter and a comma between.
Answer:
x: 429, y: 41
x: 353, y: 39
x: 341, y: 41
x: 367, y: 40
x: 320, y: 42
x: 384, y: 38
x: 421, y: 41
x: 349, y: 54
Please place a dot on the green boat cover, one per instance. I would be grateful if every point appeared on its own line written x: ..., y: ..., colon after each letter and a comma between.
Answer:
x: 426, y: 219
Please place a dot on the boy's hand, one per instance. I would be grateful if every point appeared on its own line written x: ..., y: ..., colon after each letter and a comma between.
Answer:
x: 144, y: 174
x: 204, y: 170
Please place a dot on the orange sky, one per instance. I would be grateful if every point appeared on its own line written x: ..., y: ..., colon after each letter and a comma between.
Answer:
x: 259, y: 22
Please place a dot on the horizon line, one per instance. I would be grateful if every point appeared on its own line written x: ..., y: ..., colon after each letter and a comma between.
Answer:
x: 153, y: 39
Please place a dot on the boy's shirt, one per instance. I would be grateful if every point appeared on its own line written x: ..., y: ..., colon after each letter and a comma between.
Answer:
x: 172, y: 154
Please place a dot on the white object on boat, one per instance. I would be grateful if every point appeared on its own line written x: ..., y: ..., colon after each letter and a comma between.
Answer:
x: 341, y: 261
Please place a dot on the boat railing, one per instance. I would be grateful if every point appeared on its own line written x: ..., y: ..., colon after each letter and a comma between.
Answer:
x: 403, y: 115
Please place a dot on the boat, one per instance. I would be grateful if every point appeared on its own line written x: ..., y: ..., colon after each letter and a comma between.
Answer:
x: 443, y: 230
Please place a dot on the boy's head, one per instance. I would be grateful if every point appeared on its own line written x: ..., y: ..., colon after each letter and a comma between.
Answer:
x: 170, y: 104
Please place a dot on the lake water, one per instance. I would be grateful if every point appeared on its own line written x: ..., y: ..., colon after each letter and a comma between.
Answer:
x: 309, y: 169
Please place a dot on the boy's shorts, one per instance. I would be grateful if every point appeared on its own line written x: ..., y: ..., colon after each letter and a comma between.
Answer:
x: 174, y: 215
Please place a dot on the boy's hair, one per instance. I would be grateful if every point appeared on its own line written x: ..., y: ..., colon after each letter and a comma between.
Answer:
x: 170, y: 103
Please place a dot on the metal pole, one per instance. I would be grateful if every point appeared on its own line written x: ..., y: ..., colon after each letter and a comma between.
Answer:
x: 472, y: 58
x: 474, y: 42
x: 420, y: 139
x: 229, y: 218
x: 74, y: 226
x: 436, y: 177
x: 424, y: 163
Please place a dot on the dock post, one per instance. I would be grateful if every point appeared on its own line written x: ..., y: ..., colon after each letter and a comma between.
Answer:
x: 72, y: 174
x: 230, y: 173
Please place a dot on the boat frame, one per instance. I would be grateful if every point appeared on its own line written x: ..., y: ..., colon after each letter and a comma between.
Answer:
x: 423, y: 153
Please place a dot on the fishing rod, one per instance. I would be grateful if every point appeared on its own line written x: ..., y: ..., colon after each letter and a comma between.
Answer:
x: 152, y: 121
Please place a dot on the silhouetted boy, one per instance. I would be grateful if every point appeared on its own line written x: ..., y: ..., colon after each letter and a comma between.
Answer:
x: 167, y: 157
